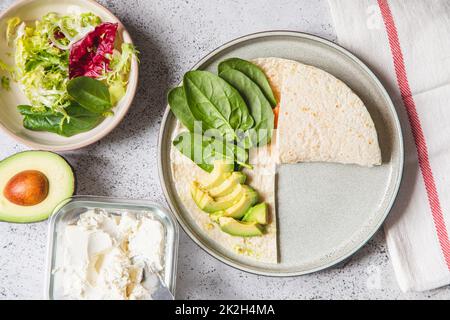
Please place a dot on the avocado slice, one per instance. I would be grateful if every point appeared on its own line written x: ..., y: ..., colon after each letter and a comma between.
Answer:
x: 239, y: 228
x: 32, y: 184
x: 257, y: 213
x: 200, y: 197
x: 222, y: 170
x: 249, y: 198
x: 207, y: 203
x: 228, y: 185
x: 237, y: 191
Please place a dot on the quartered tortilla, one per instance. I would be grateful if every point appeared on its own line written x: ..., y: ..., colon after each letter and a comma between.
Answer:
x: 321, y: 119
x: 261, y: 178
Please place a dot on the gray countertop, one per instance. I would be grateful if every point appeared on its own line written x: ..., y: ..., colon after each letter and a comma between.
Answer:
x: 172, y: 36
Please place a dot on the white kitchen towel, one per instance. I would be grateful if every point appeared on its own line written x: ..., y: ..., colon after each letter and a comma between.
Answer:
x: 407, y: 44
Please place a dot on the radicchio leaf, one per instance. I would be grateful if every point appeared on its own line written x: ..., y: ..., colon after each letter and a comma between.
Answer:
x: 89, y: 56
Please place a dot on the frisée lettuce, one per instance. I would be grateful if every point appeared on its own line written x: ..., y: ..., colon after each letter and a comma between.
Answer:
x: 117, y: 76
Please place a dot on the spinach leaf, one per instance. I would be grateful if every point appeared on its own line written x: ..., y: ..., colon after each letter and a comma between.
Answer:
x: 253, y: 72
x: 217, y: 104
x: 27, y: 110
x: 91, y: 94
x: 47, y: 60
x: 179, y: 106
x: 79, y: 120
x: 258, y: 104
x: 46, y: 120
x: 203, y: 150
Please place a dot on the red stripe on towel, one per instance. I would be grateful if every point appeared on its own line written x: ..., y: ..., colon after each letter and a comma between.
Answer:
x: 416, y: 128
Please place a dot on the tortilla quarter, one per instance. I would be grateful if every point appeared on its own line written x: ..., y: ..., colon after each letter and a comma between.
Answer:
x: 321, y: 119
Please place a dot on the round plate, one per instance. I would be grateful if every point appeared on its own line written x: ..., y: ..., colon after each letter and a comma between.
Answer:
x: 11, y: 120
x: 325, y: 211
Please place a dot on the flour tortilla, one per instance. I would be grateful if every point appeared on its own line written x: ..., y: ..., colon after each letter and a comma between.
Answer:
x: 261, y: 178
x: 320, y: 119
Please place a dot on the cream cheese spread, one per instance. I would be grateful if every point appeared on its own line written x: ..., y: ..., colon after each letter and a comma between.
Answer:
x: 107, y: 256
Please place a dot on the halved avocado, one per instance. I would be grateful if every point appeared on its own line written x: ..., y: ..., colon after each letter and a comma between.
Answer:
x: 207, y: 203
x: 228, y: 185
x: 239, y: 228
x: 257, y: 213
x: 222, y: 170
x: 32, y: 184
x: 249, y: 198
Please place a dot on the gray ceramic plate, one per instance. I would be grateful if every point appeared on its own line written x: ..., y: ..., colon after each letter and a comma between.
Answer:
x: 325, y: 211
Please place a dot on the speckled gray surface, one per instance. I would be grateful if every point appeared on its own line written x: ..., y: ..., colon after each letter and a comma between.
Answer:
x: 172, y: 36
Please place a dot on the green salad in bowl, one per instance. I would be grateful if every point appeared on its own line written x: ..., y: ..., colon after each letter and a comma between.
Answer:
x: 72, y: 69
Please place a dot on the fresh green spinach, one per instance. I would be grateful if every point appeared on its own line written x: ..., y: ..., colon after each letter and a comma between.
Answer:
x: 253, y: 72
x: 216, y: 103
x: 180, y: 107
x: 257, y: 103
x: 91, y: 94
x: 235, y: 109
x: 40, y: 120
x: 78, y: 120
x: 203, y: 150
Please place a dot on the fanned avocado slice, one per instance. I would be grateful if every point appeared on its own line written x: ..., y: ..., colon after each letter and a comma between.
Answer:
x: 239, y: 228
x: 208, y: 204
x: 238, y: 190
x: 223, y: 195
x: 228, y: 185
x: 249, y: 198
x: 233, y: 205
x: 222, y: 170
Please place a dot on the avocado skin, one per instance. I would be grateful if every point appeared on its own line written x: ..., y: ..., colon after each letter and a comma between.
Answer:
x: 257, y: 213
x: 240, y: 229
x: 53, y: 166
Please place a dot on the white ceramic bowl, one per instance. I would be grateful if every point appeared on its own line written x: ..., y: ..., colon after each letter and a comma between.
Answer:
x: 11, y: 120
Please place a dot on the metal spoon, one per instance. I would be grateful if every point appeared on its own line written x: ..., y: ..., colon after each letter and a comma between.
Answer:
x: 158, y: 286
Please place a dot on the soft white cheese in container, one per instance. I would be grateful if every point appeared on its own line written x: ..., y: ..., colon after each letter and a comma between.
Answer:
x: 106, y: 256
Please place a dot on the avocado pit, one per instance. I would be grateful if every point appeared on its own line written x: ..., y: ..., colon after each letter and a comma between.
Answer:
x: 27, y: 188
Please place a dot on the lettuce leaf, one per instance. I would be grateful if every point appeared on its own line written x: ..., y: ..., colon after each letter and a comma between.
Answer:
x: 11, y: 26
x: 119, y: 69
x: 89, y: 56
